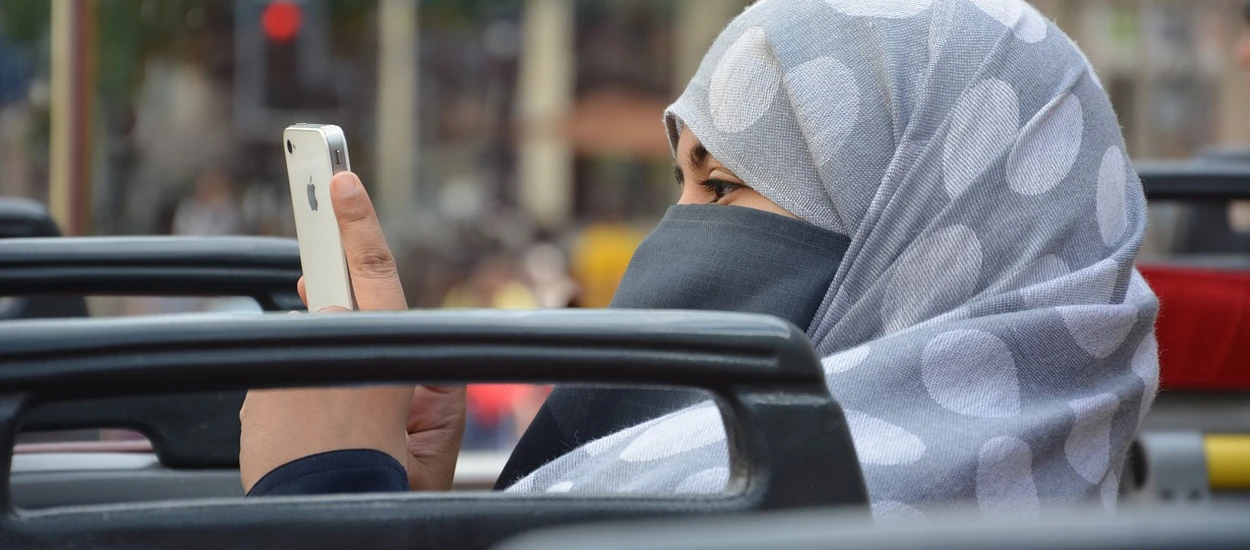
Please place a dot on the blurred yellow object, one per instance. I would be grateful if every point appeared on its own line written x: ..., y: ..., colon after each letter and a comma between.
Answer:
x: 515, y: 295
x: 512, y: 295
x: 599, y: 259
x: 1228, y: 461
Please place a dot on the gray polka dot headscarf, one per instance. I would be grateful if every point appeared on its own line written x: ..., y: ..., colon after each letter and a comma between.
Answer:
x: 987, y: 332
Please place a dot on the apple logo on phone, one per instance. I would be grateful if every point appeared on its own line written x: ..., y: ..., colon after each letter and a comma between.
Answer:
x: 312, y: 195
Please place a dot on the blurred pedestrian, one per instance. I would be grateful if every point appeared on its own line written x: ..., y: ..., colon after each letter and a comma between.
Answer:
x: 210, y: 210
x: 494, y: 285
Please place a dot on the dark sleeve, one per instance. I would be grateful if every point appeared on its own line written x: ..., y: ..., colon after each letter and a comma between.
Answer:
x: 335, y: 472
x: 572, y: 416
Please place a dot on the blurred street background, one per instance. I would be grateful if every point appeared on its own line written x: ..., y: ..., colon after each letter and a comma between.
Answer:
x: 514, y: 147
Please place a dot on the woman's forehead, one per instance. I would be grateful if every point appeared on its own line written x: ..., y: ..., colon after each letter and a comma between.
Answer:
x: 687, y: 140
x: 691, y: 151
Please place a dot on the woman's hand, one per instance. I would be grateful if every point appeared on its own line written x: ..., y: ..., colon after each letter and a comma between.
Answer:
x: 420, y: 427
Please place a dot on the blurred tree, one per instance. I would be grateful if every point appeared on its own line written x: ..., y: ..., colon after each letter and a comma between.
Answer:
x: 128, y: 31
x: 25, y: 21
x: 461, y: 13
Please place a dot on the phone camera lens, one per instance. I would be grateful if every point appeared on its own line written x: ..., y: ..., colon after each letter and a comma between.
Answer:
x: 290, y: 148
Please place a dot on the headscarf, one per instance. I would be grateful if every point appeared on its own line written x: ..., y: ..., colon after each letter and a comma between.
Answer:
x: 987, y: 333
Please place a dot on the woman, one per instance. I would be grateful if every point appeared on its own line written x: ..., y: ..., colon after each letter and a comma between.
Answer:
x: 938, y: 191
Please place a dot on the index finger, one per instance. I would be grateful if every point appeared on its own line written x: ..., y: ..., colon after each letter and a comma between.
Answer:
x: 375, y: 280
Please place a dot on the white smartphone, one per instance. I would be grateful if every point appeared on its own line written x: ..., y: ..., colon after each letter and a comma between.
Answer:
x: 314, y: 154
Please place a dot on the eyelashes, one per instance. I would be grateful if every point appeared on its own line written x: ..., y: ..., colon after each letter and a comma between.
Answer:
x: 719, y: 189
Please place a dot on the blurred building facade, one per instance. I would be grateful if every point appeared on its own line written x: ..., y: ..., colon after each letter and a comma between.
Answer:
x: 483, y: 126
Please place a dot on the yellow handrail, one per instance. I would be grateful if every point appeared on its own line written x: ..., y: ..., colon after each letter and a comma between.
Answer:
x: 1228, y: 461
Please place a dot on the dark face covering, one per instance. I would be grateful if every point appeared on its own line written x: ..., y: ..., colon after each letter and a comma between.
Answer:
x: 704, y: 257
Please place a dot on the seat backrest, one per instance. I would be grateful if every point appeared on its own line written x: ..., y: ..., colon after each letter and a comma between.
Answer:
x: 262, y: 268
x: 1204, y: 321
x: 23, y: 218
x: 788, y: 439
x: 200, y: 431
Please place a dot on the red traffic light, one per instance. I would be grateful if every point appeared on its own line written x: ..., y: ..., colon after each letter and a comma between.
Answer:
x: 281, y: 20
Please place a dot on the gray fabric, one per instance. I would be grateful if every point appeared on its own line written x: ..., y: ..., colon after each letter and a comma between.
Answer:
x: 987, y: 332
x: 703, y: 257
x: 732, y: 259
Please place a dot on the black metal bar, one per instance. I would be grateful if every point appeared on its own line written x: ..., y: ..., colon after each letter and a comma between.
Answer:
x: 21, y: 218
x: 789, y: 442
x: 1194, y: 181
x: 1221, y: 526
x: 196, y: 431
x: 214, y: 351
x: 265, y: 269
x: 10, y: 408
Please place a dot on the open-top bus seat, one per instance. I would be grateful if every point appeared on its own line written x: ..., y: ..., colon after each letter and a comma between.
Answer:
x: 784, y: 429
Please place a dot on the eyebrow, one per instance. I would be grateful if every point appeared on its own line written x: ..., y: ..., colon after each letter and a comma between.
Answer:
x: 698, y: 156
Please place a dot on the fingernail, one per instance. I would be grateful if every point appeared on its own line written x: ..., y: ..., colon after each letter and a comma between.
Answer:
x: 294, y: 312
x: 345, y: 185
x: 324, y: 309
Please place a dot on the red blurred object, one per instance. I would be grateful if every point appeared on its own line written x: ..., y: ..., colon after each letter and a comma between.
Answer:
x: 281, y: 20
x: 491, y: 402
x: 1204, y: 327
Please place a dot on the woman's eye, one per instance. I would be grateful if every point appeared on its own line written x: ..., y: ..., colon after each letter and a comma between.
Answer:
x: 720, y: 189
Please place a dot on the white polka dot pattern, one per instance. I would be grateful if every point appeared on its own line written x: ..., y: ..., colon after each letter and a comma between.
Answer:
x: 890, y: 9
x: 846, y: 360
x: 711, y: 480
x: 1005, y: 485
x: 1025, y: 22
x: 825, y: 123
x: 1112, y: 213
x: 1099, y: 330
x: 880, y: 442
x: 914, y: 294
x: 745, y: 83
x: 972, y: 373
x: 1088, y: 446
x: 1039, y: 271
x: 948, y: 317
x: 678, y: 433
x: 1092, y: 285
x: 602, y: 444
x: 983, y: 126
x: 1047, y: 148
x: 561, y: 487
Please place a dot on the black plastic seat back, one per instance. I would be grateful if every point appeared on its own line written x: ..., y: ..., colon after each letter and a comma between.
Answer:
x: 1194, y: 181
x: 200, y: 431
x: 22, y: 218
x: 1204, y: 529
x: 789, y: 442
x: 262, y: 268
x: 25, y: 218
x: 1204, y: 186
